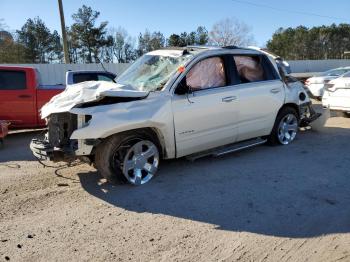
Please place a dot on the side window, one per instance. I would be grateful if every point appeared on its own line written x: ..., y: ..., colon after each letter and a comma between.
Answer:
x: 208, y: 73
x: 108, y: 78
x: 12, y: 80
x: 249, y: 68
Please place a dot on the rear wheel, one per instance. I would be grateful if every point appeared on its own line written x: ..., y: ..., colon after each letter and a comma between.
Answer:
x: 132, y: 158
x: 285, y: 128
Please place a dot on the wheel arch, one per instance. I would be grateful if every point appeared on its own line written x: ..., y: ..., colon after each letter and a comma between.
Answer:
x: 152, y: 131
x: 291, y: 105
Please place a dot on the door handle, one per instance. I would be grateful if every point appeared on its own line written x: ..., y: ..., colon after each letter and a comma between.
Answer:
x: 229, y: 99
x: 275, y: 90
x: 24, y: 96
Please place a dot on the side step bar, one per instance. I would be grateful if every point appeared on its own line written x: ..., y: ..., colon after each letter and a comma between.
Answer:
x: 223, y: 150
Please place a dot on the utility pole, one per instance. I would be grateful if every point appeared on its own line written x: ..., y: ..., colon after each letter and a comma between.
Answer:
x: 64, y: 34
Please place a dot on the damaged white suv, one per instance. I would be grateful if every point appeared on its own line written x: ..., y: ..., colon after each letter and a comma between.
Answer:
x: 171, y: 103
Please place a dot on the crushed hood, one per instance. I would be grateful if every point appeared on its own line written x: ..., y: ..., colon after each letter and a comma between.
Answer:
x: 87, y: 92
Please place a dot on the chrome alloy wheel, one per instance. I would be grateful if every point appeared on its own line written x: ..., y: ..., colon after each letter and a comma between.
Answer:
x: 287, y: 129
x: 141, y: 162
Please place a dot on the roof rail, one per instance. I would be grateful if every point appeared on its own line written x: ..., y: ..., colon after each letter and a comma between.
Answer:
x: 185, y: 50
x: 230, y: 47
x: 202, y: 47
x: 173, y: 48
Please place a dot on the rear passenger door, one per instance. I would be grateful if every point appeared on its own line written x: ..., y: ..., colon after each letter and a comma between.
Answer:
x: 260, y: 95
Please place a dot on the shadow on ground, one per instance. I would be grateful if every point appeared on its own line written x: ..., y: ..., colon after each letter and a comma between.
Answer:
x: 301, y: 190
x: 16, y: 146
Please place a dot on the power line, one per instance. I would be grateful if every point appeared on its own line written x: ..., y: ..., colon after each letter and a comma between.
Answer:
x: 287, y: 10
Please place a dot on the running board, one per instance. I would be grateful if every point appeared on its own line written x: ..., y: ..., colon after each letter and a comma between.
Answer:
x: 223, y: 150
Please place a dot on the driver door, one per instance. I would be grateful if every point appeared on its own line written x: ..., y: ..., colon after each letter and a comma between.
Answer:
x: 207, y: 117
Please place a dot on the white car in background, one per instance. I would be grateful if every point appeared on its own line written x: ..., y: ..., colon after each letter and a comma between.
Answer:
x: 336, y: 95
x: 317, y: 83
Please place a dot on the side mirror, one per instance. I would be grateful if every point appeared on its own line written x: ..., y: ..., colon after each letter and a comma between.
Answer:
x: 182, y: 88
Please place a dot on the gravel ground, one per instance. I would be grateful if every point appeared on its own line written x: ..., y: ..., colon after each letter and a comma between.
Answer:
x: 263, y: 204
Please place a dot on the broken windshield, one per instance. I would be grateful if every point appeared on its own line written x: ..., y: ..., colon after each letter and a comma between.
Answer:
x: 153, y: 70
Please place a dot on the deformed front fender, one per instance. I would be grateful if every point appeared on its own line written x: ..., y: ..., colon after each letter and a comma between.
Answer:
x: 153, y: 112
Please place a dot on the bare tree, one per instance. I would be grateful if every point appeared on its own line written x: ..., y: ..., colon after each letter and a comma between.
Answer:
x: 230, y: 31
x: 119, y: 43
x: 123, y: 45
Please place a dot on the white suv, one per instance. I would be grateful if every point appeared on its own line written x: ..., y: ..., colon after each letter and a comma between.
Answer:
x: 171, y: 103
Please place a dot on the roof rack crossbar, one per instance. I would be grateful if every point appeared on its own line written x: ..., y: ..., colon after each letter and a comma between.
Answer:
x: 202, y: 47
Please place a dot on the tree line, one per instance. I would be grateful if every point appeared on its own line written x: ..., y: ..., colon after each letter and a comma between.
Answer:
x: 320, y: 42
x: 92, y: 42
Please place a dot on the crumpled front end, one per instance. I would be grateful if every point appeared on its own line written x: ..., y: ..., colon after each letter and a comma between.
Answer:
x: 296, y: 94
x: 57, y: 144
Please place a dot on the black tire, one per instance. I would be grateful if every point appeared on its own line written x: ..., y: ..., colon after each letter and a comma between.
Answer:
x: 273, y: 137
x: 346, y: 114
x: 110, y: 153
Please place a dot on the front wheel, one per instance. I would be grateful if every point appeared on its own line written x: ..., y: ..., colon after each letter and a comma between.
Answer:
x: 285, y: 128
x: 132, y: 158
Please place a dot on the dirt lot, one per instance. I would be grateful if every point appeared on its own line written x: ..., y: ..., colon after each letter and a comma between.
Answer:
x: 264, y: 204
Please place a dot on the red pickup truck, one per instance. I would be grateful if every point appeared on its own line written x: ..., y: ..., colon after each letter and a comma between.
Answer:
x: 21, y: 96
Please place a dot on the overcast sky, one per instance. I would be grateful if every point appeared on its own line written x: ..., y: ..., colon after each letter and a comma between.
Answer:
x: 264, y: 17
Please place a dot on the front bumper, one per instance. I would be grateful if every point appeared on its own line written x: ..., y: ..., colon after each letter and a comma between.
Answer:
x: 307, y: 114
x: 43, y: 150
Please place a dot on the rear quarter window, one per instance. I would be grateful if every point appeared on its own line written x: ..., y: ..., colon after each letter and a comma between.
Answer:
x: 12, y: 80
